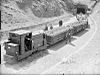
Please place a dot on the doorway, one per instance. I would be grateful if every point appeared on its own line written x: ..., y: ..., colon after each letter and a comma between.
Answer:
x: 28, y: 42
x: 81, y: 10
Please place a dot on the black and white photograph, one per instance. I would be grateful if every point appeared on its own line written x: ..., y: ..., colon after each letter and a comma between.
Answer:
x: 50, y: 37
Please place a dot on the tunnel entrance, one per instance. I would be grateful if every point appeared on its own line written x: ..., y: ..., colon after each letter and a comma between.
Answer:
x: 81, y: 10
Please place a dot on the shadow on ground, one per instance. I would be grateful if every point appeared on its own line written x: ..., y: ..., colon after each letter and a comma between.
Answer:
x: 25, y: 63
x: 61, y: 44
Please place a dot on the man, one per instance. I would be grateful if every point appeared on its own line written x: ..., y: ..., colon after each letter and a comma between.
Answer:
x: 68, y: 38
x: 28, y: 42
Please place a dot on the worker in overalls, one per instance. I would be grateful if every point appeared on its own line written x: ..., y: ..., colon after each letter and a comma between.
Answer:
x: 68, y: 37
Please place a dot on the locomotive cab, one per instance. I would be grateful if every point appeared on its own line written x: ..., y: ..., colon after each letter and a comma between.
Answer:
x: 19, y: 44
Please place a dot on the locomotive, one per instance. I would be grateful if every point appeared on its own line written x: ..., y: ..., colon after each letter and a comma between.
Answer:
x: 23, y: 43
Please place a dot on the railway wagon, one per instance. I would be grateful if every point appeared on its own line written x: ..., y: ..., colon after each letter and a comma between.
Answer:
x: 23, y: 43
x: 55, y: 35
x: 76, y: 27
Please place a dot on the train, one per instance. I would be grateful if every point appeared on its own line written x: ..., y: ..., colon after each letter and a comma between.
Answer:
x: 22, y: 43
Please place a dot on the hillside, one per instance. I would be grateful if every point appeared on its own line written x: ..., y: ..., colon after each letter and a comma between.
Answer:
x: 41, y: 8
x: 17, y: 14
x: 21, y: 13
